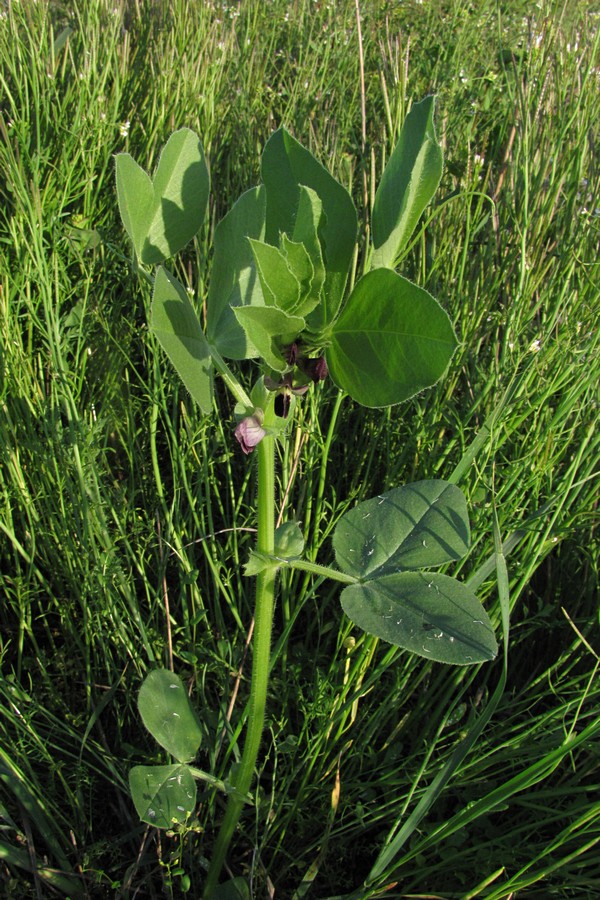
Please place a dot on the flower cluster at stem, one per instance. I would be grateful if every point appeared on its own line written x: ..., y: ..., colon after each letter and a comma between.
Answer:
x: 294, y: 383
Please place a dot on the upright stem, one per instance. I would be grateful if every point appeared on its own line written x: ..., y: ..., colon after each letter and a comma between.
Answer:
x: 263, y: 621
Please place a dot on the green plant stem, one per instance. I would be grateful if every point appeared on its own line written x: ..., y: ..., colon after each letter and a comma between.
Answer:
x: 263, y: 621
x: 230, y: 380
x: 315, y: 569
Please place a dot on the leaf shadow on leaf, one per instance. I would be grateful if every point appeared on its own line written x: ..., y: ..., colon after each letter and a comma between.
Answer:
x: 416, y: 526
x: 173, y: 311
x: 446, y: 531
x: 177, y: 231
x: 234, y: 279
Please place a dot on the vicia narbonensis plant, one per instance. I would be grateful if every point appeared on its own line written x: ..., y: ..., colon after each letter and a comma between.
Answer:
x: 283, y: 258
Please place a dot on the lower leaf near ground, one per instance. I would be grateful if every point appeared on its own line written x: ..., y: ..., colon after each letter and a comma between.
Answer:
x: 163, y: 795
x: 168, y: 714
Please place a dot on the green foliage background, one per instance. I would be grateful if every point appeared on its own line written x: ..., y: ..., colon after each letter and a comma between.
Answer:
x: 126, y: 516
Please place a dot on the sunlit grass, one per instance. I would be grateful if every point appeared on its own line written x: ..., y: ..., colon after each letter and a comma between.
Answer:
x: 126, y: 516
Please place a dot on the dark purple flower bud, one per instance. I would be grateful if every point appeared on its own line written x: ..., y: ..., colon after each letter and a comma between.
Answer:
x: 249, y: 433
x: 316, y: 369
x: 290, y: 354
x: 282, y: 404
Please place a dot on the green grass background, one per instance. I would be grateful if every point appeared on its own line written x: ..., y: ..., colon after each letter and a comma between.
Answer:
x: 126, y: 516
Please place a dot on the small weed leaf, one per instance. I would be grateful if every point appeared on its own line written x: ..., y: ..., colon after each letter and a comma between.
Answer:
x: 391, y: 341
x: 163, y: 795
x: 411, y: 527
x: 176, y: 325
x: 161, y: 215
x: 300, y: 263
x: 168, y: 714
x: 407, y: 185
x: 426, y: 613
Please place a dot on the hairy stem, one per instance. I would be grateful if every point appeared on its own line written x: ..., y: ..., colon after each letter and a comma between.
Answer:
x: 263, y: 621
x: 315, y: 569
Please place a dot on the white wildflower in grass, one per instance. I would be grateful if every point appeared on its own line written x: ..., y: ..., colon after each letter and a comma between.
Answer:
x: 535, y: 346
x: 124, y: 129
x: 536, y: 40
x: 478, y: 164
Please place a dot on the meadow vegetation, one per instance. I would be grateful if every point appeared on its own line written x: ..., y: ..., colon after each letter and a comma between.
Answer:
x: 126, y: 515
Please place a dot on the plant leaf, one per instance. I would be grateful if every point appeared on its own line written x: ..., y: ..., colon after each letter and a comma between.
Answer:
x: 300, y: 263
x: 135, y: 196
x: 408, y: 183
x: 269, y: 329
x: 175, y: 324
x: 309, y: 219
x: 289, y: 544
x: 161, y: 215
x: 234, y: 889
x: 258, y: 562
x: 289, y: 540
x: 285, y: 166
x: 280, y: 286
x: 426, y: 613
x: 391, y: 340
x: 168, y: 714
x: 234, y: 280
x: 163, y: 795
x: 410, y: 527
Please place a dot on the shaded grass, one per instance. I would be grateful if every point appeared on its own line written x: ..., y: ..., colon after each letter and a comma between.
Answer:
x: 127, y: 516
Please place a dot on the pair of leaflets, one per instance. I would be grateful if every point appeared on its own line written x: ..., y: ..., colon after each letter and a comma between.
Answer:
x: 387, y: 543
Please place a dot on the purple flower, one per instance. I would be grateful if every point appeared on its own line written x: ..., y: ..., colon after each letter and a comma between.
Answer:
x: 296, y: 380
x: 291, y: 353
x: 249, y: 433
x: 316, y: 368
x: 285, y: 388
